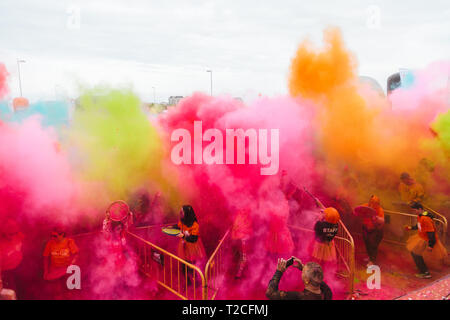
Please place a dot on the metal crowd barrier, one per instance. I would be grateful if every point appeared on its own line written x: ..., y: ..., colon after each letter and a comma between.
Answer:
x: 180, y: 277
x: 214, y: 269
x: 345, y: 247
x: 165, y: 267
x: 188, y: 281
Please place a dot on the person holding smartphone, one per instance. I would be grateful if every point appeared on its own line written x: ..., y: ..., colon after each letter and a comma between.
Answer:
x: 312, y: 277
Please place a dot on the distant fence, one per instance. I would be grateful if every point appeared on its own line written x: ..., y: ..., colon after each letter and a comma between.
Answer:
x: 214, y: 270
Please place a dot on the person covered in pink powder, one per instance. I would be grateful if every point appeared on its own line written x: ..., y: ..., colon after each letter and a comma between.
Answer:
x: 117, y: 269
x: 11, y: 255
x: 118, y: 220
x: 240, y: 233
x: 293, y: 196
x: 146, y: 210
x: 279, y: 239
x: 60, y: 252
x: 118, y: 216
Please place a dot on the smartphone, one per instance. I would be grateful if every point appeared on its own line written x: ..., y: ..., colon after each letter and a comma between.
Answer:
x: 289, y: 262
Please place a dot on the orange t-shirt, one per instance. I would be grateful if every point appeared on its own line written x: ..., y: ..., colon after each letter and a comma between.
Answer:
x: 425, y: 224
x: 368, y: 222
x: 193, y: 230
x: 60, y: 253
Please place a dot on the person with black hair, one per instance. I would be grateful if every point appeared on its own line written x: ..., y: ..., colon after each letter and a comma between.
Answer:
x: 312, y: 277
x: 190, y: 247
x: 425, y: 241
x: 60, y: 252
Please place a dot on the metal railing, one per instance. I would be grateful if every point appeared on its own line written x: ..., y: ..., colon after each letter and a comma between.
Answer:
x: 173, y: 273
x: 441, y: 223
x: 170, y: 271
x: 159, y: 263
x: 214, y: 270
x: 345, y: 249
x: 152, y: 262
x: 397, y: 219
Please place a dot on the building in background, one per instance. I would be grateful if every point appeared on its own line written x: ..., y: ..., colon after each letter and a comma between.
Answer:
x: 173, y: 100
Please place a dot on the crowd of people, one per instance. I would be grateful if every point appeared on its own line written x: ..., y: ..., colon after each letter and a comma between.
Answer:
x: 61, y: 251
x: 323, y: 252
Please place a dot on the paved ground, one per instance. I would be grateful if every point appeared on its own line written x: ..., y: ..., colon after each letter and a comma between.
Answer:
x: 438, y: 290
x: 397, y: 273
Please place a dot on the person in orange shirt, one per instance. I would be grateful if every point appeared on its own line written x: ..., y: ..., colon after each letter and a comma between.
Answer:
x: 373, y: 229
x: 190, y: 247
x: 410, y: 190
x: 60, y: 252
x: 425, y: 241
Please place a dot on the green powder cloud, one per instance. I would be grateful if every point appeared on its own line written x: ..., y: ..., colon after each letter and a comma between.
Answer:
x: 116, y: 143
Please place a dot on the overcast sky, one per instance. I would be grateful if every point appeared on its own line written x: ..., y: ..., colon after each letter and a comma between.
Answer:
x: 170, y: 44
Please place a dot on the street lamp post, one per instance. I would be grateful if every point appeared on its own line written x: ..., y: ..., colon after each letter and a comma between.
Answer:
x: 210, y: 71
x: 154, y: 95
x: 20, y: 81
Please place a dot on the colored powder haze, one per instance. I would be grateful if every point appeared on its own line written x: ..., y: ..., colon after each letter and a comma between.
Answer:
x: 337, y: 137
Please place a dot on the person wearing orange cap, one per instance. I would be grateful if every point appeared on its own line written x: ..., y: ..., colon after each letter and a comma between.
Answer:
x: 325, y: 230
x: 425, y: 242
x: 372, y: 228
